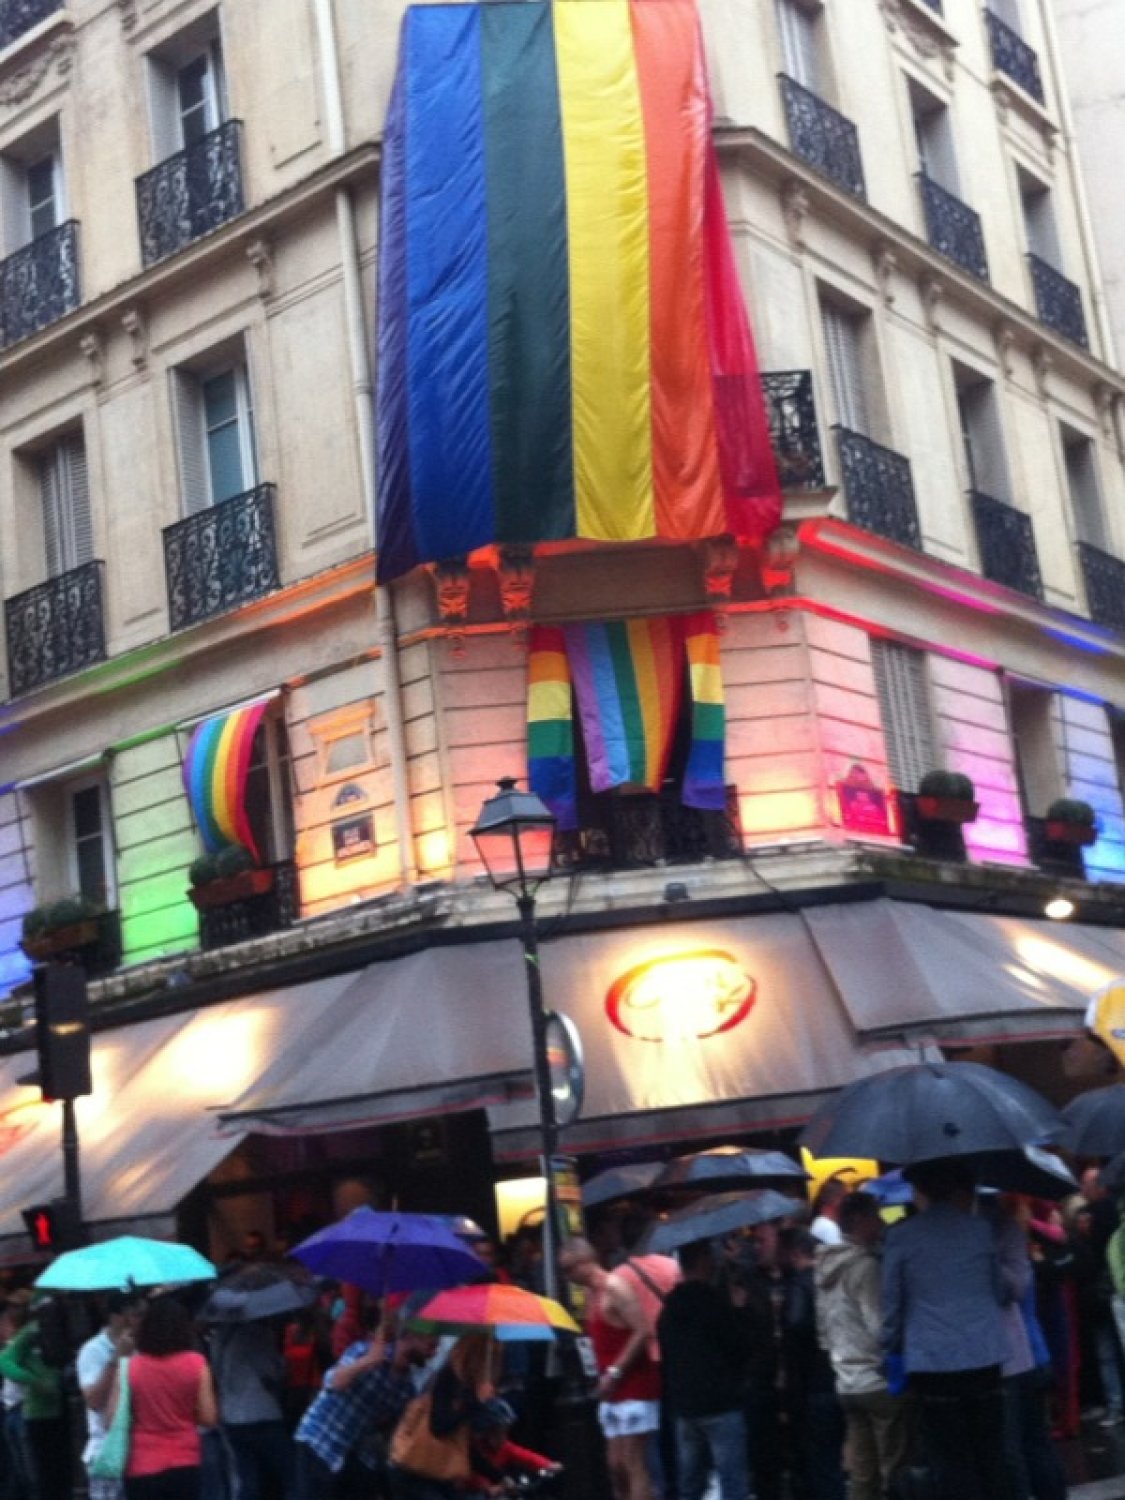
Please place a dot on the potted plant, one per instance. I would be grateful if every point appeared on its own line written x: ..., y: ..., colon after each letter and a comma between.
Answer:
x: 228, y: 876
x: 947, y: 797
x: 1071, y: 821
x: 61, y: 927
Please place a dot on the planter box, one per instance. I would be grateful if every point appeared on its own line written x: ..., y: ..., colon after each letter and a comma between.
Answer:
x: 946, y: 809
x: 231, y: 888
x: 1080, y: 834
x: 62, y: 940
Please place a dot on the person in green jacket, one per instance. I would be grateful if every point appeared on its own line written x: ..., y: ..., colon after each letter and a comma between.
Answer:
x: 44, y: 1409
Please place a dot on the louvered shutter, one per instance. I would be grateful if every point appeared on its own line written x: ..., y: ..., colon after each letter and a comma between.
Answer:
x: 163, y: 109
x: 797, y: 28
x: 845, y: 367
x: 904, y: 706
x: 14, y: 206
x: 76, y: 484
x: 191, y: 435
x: 50, y: 491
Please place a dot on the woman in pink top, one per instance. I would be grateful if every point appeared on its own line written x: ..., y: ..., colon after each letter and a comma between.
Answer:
x: 172, y: 1396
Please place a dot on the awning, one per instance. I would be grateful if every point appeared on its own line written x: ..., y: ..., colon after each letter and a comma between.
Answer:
x: 904, y: 968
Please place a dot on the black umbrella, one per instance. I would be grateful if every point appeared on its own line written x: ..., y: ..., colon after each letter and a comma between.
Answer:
x: 719, y: 1214
x: 619, y: 1182
x: 929, y: 1111
x: 259, y: 1291
x: 1095, y: 1122
x: 1033, y: 1171
x: 1112, y: 1175
x: 729, y: 1168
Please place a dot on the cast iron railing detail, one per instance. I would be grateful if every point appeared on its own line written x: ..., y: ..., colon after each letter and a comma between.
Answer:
x: 253, y: 916
x: 39, y: 283
x: 824, y: 138
x: 650, y: 828
x: 221, y: 557
x: 18, y: 16
x: 1006, y: 539
x: 794, y: 434
x: 191, y: 193
x: 879, y: 488
x: 55, y: 628
x: 953, y: 228
x: 1104, y: 576
x: 1057, y: 300
x: 1011, y: 55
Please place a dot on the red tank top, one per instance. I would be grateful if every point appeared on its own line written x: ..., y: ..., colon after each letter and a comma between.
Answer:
x: 164, y: 1391
x: 641, y: 1381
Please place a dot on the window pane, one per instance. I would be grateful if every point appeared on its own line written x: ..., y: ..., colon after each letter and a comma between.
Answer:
x: 87, y: 812
x: 41, y: 196
x: 219, y: 399
x: 90, y: 859
x: 224, y: 454
x: 192, y: 82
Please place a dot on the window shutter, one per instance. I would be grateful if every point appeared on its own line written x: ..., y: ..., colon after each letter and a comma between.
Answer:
x: 14, y: 206
x: 192, y: 437
x: 797, y: 28
x: 904, y: 706
x: 50, y: 494
x: 845, y: 367
x: 72, y: 452
x: 1085, y: 492
x: 163, y: 108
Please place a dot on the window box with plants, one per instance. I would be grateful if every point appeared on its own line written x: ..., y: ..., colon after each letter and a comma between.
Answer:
x: 73, y: 928
x: 1071, y: 821
x: 947, y: 797
x: 228, y: 876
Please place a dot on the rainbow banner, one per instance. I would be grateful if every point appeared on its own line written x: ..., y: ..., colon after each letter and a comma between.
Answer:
x: 215, y: 769
x: 564, y: 351
x: 627, y: 679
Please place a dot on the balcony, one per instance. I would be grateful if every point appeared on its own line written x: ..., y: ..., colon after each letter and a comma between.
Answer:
x: 19, y: 16
x: 794, y: 434
x: 650, y: 828
x: 1013, y: 57
x: 822, y: 137
x: 39, y: 284
x: 879, y: 489
x: 190, y: 194
x: 1104, y: 576
x: 1058, y: 301
x: 953, y: 228
x: 252, y: 916
x: 55, y: 628
x: 221, y: 557
x: 1006, y: 540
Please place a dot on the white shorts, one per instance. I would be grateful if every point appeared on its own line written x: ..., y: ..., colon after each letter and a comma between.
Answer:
x: 629, y: 1418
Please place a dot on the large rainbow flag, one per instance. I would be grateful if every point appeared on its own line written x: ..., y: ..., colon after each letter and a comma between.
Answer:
x: 564, y: 351
x: 626, y: 678
x: 216, y: 765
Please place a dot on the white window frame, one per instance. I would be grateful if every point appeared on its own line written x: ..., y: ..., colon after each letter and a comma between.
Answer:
x: 1086, y: 501
x: 197, y: 486
x: 68, y: 535
x: 845, y: 335
x: 164, y: 67
x: 278, y: 776
x: 109, y: 857
x: 214, y: 89
x: 981, y: 424
x: 800, y: 43
x: 932, y: 122
x: 902, y: 690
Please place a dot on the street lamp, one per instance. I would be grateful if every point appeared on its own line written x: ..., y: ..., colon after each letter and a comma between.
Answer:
x: 515, y: 838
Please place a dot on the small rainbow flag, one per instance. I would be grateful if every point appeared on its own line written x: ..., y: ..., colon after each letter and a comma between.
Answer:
x: 215, y: 770
x: 564, y: 351
x: 627, y: 678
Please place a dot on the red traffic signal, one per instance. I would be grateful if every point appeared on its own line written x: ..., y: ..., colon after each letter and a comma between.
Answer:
x: 52, y: 1227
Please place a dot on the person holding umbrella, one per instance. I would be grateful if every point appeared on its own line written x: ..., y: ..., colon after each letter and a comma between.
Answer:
x: 98, y: 1359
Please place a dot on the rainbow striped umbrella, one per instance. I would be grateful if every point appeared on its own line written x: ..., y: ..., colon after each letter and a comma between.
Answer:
x: 507, y: 1312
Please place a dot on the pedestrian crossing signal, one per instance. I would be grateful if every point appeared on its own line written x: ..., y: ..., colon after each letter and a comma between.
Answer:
x: 52, y: 1227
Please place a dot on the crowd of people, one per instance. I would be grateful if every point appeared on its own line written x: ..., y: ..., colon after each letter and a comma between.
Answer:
x: 817, y: 1356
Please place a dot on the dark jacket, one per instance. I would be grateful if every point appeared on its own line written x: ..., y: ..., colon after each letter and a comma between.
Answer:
x: 704, y: 1350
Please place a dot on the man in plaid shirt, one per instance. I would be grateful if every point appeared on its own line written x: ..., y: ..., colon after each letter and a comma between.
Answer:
x: 363, y: 1397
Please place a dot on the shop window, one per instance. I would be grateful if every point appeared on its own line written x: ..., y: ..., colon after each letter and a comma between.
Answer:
x: 268, y: 795
x: 902, y: 688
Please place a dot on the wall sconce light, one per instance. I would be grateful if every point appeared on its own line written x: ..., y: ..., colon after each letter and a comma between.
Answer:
x: 1059, y: 909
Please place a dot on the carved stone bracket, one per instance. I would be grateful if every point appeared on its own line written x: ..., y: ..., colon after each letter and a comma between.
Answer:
x: 932, y: 290
x: 1107, y: 401
x: 886, y: 264
x: 720, y: 563
x: 1004, y: 336
x: 127, y: 12
x: 795, y: 210
x: 1042, y: 363
x: 260, y: 256
x: 53, y: 62
x: 779, y: 558
x: 452, y: 585
x: 94, y: 354
x: 133, y: 322
x: 516, y: 572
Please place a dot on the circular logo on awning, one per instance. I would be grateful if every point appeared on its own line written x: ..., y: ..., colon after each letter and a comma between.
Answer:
x: 685, y: 995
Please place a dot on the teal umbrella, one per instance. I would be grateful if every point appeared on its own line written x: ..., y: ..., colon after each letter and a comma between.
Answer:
x: 128, y: 1261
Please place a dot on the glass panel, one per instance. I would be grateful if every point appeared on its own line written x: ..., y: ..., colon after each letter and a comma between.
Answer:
x: 224, y: 442
x: 41, y: 196
x: 90, y: 859
x: 87, y: 812
x: 192, y: 83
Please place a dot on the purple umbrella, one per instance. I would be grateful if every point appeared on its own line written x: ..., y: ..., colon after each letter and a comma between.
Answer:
x: 390, y: 1252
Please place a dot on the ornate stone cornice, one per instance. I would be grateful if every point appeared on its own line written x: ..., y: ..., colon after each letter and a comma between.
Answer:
x: 53, y: 62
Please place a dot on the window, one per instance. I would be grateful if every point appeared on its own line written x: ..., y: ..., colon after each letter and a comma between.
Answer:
x: 42, y: 195
x: 269, y: 804
x: 1039, y: 218
x: 187, y: 88
x: 981, y: 434
x: 933, y: 135
x: 31, y: 185
x: 1030, y: 714
x: 88, y: 841
x: 1082, y: 487
x: 799, y: 29
x: 64, y: 491
x: 846, y: 335
x: 215, y: 420
x: 1008, y: 11
x: 903, y: 691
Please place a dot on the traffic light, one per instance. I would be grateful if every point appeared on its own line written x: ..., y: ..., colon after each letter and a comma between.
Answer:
x: 62, y: 1031
x: 53, y: 1226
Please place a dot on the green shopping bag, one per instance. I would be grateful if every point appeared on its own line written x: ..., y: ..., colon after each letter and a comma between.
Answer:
x: 114, y: 1452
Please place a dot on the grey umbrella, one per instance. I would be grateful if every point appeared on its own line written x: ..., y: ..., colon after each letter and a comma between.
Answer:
x: 719, y: 1214
x: 728, y: 1169
x: 258, y: 1291
x: 1095, y: 1122
x: 931, y: 1111
x: 619, y: 1182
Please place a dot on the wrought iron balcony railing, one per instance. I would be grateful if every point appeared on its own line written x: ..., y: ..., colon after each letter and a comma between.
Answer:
x: 879, y: 488
x: 221, y: 557
x: 1012, y: 56
x: 54, y: 629
x: 1104, y: 576
x: 254, y: 915
x: 953, y: 228
x: 824, y: 138
x: 1058, y: 301
x: 1006, y: 539
x: 650, y: 828
x: 39, y: 283
x: 18, y: 16
x: 191, y: 193
x: 794, y: 434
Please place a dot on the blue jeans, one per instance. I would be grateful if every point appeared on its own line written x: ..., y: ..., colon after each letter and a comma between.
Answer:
x: 719, y: 1443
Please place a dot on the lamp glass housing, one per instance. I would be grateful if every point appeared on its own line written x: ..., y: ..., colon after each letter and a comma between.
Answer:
x: 515, y: 838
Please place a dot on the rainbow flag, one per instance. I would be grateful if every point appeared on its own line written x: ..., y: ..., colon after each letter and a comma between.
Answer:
x: 627, y: 678
x: 215, y: 769
x: 564, y: 351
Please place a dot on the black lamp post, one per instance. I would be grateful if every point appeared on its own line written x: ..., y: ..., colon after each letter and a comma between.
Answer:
x: 515, y: 838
